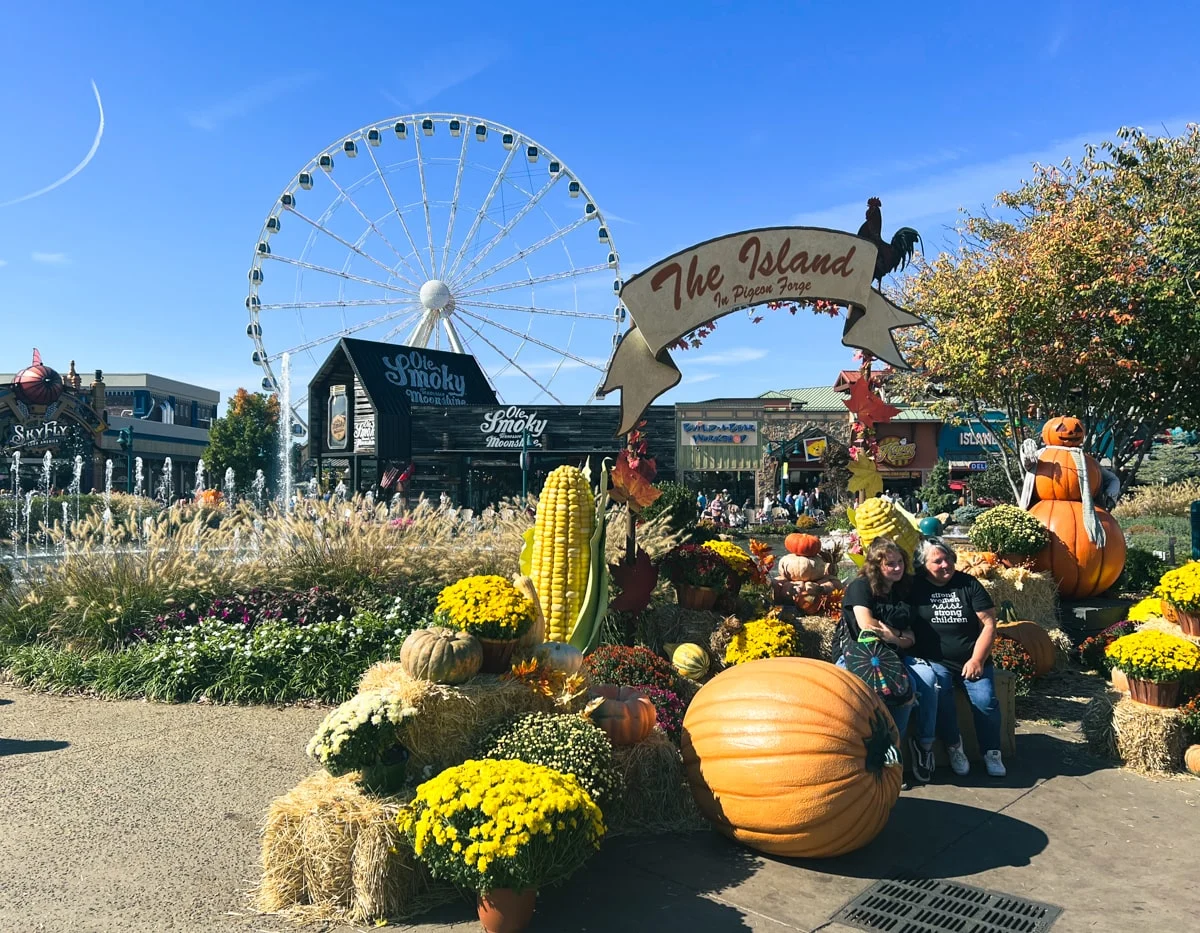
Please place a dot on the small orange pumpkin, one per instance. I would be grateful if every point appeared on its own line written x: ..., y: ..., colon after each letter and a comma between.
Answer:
x: 802, y: 545
x: 1191, y: 760
x: 1064, y: 431
x: 626, y: 714
x: 792, y: 756
x: 1080, y: 568
x: 1030, y: 636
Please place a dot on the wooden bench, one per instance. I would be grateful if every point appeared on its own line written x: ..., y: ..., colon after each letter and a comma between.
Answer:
x: 1006, y: 694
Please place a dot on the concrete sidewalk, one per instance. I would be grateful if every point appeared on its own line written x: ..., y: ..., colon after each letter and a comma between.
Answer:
x: 137, y: 817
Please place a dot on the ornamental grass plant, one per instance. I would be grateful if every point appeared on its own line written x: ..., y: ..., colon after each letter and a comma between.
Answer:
x: 487, y: 606
x: 486, y: 825
x: 1154, y: 656
x: 1007, y: 529
x: 360, y: 732
x: 569, y: 744
x: 1158, y: 501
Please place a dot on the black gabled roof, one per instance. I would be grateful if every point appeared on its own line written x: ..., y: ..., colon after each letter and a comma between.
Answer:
x: 396, y: 377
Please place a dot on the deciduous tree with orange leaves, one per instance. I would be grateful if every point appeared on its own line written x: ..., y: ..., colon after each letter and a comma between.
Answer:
x: 1080, y: 297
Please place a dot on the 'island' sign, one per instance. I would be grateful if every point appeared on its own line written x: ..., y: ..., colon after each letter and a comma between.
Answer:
x: 506, y: 427
x: 708, y: 433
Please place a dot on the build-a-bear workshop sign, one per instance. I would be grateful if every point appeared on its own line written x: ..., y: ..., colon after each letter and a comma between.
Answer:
x: 728, y: 274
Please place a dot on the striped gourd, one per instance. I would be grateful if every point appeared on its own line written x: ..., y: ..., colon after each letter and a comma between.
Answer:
x: 566, y: 518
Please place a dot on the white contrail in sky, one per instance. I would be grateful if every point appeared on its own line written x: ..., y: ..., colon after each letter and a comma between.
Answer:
x: 78, y: 168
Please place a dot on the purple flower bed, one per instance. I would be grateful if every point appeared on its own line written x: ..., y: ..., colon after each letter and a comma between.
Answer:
x: 668, y: 707
x: 252, y: 608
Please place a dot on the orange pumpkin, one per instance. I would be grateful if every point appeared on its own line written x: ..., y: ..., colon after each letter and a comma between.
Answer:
x: 1057, y: 477
x: 803, y: 545
x: 626, y: 715
x: 1191, y: 760
x: 792, y: 756
x: 1064, y: 431
x: 1030, y: 636
x: 1081, y: 568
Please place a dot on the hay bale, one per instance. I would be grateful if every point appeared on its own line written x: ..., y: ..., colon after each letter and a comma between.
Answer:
x: 451, y: 720
x: 331, y: 852
x: 656, y: 797
x: 1170, y: 628
x: 1097, y: 726
x: 1149, y: 739
x: 670, y: 624
x: 815, y: 636
x: 1034, y: 596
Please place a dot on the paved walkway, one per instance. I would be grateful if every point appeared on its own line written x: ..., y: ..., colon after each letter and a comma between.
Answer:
x: 135, y: 817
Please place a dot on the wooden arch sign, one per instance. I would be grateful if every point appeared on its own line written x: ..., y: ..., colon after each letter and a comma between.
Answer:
x: 718, y: 277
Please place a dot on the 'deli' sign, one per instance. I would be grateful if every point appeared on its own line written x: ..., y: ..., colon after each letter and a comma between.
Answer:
x: 712, y: 279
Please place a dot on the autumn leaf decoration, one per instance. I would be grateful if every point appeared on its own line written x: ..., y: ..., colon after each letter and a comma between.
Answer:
x: 633, y: 476
x: 868, y: 407
x: 864, y: 475
x: 636, y: 582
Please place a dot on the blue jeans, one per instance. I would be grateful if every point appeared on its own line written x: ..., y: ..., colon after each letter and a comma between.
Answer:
x: 985, y: 707
x: 925, y: 702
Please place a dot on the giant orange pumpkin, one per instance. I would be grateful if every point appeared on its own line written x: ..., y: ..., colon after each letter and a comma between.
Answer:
x: 1030, y: 636
x: 1063, y: 431
x: 1081, y: 568
x: 803, y: 545
x: 792, y: 756
x: 1191, y: 760
x: 1057, y: 477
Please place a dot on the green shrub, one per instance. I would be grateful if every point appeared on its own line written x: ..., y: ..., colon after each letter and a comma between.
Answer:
x: 676, y: 501
x: 966, y: 514
x: 1142, y: 571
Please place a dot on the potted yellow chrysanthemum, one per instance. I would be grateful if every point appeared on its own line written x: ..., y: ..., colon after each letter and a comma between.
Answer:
x: 1154, y: 663
x: 1179, y: 590
x: 491, y: 609
x: 502, y: 829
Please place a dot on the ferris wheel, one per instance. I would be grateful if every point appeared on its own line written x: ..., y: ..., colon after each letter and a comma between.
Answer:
x: 444, y: 232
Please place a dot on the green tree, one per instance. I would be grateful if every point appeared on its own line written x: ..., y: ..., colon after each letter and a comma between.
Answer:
x: 992, y: 483
x: 935, y: 493
x: 1084, y: 288
x: 1170, y: 463
x: 246, y: 439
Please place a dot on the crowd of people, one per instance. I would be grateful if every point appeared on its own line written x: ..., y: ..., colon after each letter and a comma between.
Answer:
x: 720, y: 508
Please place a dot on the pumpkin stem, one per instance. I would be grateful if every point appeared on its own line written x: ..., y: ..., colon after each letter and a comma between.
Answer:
x: 881, y: 750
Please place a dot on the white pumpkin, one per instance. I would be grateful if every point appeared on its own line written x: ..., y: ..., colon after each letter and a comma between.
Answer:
x: 560, y: 656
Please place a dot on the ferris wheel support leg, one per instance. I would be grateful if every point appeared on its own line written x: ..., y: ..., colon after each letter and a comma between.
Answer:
x: 423, y: 330
x: 452, y: 335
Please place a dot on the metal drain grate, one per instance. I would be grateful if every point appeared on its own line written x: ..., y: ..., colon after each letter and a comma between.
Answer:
x: 919, y: 905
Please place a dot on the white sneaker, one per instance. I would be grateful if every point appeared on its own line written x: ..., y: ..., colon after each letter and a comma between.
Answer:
x: 958, y: 759
x: 995, y: 767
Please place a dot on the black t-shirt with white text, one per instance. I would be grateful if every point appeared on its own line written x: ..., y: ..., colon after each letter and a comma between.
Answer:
x: 892, y: 610
x: 947, y: 617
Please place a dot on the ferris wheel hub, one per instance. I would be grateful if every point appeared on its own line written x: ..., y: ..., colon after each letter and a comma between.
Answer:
x: 435, y: 296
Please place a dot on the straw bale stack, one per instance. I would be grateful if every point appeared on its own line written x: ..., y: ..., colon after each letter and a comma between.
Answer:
x: 657, y: 798
x: 1143, y: 738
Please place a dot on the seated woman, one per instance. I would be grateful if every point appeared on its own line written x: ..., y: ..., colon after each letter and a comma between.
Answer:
x: 956, y: 625
x: 876, y: 602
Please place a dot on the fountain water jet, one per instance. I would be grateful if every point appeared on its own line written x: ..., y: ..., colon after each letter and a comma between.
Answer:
x: 285, y: 431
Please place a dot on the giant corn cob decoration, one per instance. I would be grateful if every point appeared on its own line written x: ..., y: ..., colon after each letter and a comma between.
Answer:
x: 566, y: 556
x: 878, y: 518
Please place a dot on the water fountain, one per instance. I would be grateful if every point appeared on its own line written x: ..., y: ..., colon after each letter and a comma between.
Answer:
x: 314, y: 488
x: 28, y: 518
x: 16, y: 492
x: 108, y: 516
x: 257, y: 489
x: 166, y: 488
x: 230, y: 486
x: 47, y: 476
x: 285, y: 431
x: 74, y: 489
x: 198, y: 488
x: 137, y: 489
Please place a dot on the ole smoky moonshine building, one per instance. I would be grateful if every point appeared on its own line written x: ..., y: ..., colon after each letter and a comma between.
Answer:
x: 382, y: 415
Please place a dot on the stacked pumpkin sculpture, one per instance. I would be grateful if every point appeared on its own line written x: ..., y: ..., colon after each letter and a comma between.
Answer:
x: 793, y: 757
x: 1086, y: 552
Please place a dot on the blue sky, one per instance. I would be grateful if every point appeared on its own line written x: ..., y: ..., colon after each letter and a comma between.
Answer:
x: 685, y: 121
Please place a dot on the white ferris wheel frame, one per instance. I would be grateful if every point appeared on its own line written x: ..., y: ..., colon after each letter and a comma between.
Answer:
x: 420, y: 271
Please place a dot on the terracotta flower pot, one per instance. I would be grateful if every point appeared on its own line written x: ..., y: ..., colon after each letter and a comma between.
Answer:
x: 1165, y: 695
x: 695, y: 597
x: 505, y: 910
x: 1189, y: 622
x: 497, y: 655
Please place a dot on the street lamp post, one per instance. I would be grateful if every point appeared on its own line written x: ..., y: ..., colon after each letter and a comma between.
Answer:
x: 783, y: 479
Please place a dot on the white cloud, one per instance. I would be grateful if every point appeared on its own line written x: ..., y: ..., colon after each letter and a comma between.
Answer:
x: 970, y: 186
x: 730, y: 357
x: 245, y: 102
x: 442, y: 68
x: 50, y: 259
x: 3, y: 262
x: 698, y: 377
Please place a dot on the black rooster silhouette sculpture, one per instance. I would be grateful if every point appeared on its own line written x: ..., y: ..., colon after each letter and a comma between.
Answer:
x: 891, y: 256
